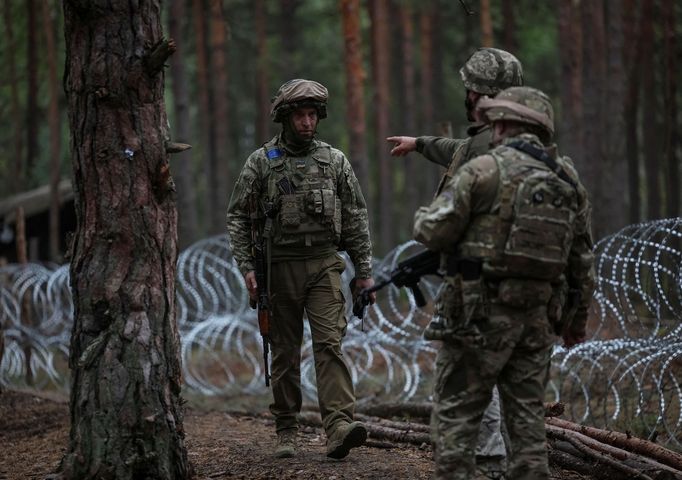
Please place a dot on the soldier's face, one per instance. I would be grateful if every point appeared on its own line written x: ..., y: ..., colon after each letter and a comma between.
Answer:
x: 304, y: 121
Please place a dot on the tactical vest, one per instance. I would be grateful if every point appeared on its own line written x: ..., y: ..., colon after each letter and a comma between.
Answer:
x: 529, y: 232
x: 302, y: 190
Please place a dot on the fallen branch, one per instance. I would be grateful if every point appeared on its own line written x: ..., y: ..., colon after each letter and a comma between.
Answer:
x: 408, y: 426
x: 626, y: 442
x: 423, y: 409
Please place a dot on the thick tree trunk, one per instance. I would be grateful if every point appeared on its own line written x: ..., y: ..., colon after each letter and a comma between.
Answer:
x: 17, y: 144
x: 188, y: 225
x: 220, y: 133
x: 263, y: 121
x: 381, y: 70
x: 355, y: 91
x: 54, y: 122
x: 126, y: 411
x: 487, y: 39
x: 427, y: 20
x: 671, y: 140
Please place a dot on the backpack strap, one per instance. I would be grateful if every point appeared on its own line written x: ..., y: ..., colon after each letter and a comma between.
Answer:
x: 541, y: 155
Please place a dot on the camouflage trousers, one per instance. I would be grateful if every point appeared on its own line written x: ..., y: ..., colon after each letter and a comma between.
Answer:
x: 314, y: 287
x: 510, y: 348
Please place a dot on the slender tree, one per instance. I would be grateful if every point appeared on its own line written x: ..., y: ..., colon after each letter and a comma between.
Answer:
x: 220, y: 133
x: 289, y: 38
x: 487, y: 39
x: 632, y: 58
x: 188, y: 225
x: 671, y: 134
x: 54, y: 121
x: 262, y: 74
x: 15, y: 112
x: 32, y: 115
x: 125, y: 406
x: 355, y: 90
x: 511, y: 43
x: 570, y: 46
x: 381, y: 79
x: 427, y: 20
x: 651, y: 137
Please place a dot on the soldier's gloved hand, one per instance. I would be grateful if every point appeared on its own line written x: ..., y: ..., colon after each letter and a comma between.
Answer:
x: 403, y: 145
x: 362, y: 283
x: 251, y: 285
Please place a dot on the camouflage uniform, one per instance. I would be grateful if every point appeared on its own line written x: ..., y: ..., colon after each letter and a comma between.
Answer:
x: 314, y: 209
x: 487, y: 71
x: 523, y: 239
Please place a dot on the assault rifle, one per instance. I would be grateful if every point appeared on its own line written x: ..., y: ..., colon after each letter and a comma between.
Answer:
x: 262, y: 302
x: 406, y: 274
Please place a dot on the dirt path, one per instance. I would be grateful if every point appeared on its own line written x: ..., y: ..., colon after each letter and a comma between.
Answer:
x: 34, y: 434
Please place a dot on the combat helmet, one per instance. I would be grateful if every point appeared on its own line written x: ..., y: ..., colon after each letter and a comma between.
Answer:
x: 490, y: 70
x: 299, y: 93
x: 520, y: 104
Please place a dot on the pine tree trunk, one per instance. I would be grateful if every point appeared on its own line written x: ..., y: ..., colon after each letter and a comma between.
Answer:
x: 632, y: 55
x: 650, y: 137
x: 220, y: 133
x: 263, y: 121
x: 355, y: 91
x: 409, y: 122
x: 487, y: 39
x: 570, y: 45
x: 17, y: 141
x: 188, y: 225
x: 32, y: 115
x: 125, y: 406
x: 381, y: 77
x: 672, y: 157
x: 289, y: 38
x: 55, y: 129
x: 511, y: 43
x: 427, y: 20
x: 204, y: 138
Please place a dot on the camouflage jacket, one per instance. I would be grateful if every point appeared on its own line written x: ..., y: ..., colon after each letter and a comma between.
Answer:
x: 454, y: 152
x: 254, y: 181
x: 474, y: 191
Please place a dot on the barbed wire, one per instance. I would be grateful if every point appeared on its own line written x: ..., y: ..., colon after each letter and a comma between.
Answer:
x: 627, y: 376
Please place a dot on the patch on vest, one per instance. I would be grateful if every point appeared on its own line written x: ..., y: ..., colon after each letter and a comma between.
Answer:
x: 274, y: 153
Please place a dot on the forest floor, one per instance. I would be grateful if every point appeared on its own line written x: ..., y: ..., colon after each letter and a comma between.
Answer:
x: 34, y: 432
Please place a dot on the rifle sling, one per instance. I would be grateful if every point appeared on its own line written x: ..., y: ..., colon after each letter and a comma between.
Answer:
x: 541, y: 155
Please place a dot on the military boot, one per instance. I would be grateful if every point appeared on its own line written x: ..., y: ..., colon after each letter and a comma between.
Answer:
x: 345, y: 437
x: 286, y: 443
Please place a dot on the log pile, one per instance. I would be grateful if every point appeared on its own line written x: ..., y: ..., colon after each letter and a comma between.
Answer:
x: 597, y: 453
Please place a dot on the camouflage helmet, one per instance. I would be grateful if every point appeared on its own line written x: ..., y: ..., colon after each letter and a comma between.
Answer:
x: 299, y: 93
x: 519, y: 104
x: 491, y: 70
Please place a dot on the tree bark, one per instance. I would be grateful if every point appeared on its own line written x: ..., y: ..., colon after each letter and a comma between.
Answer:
x: 289, y: 37
x: 650, y: 137
x: 409, y: 107
x: 199, y: 15
x: 263, y: 121
x: 32, y: 114
x: 188, y: 225
x: 17, y: 183
x: 671, y: 140
x: 355, y: 91
x: 487, y: 39
x: 220, y: 133
x: 125, y: 406
x: 427, y: 20
x: 381, y: 70
x: 55, y: 129
x: 632, y: 59
x: 511, y: 43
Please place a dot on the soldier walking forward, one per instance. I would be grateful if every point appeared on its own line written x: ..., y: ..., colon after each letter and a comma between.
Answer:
x: 308, y: 206
x: 516, y: 224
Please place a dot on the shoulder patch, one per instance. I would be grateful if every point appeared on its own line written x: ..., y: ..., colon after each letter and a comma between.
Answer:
x: 273, y: 153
